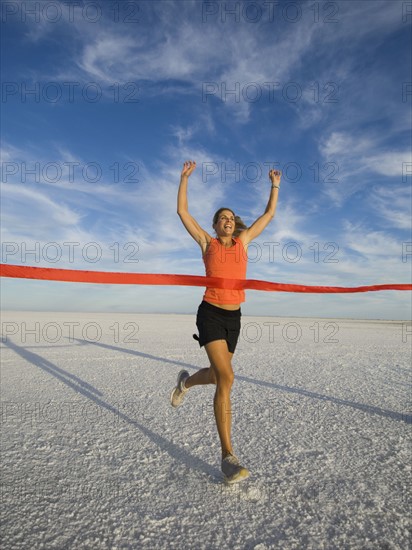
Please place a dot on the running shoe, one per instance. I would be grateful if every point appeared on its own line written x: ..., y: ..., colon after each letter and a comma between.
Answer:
x: 232, y: 470
x: 178, y: 393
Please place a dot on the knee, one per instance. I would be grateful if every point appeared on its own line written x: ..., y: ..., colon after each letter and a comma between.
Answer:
x: 224, y: 379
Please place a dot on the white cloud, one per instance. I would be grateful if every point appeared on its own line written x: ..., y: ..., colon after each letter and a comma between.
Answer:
x: 143, y: 214
x: 389, y: 163
x: 358, y: 158
x: 340, y: 144
x: 35, y: 209
x: 371, y: 243
x: 178, y: 48
x: 394, y: 204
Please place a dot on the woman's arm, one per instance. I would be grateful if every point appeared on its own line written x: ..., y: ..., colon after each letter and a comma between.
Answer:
x: 259, y: 225
x: 191, y: 225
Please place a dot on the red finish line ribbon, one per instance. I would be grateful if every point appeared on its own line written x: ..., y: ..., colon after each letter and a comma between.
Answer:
x: 110, y: 278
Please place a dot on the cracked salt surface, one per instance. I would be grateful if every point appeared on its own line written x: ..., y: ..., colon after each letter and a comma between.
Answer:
x: 94, y: 456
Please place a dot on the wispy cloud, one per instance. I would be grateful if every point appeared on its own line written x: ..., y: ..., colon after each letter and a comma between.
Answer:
x: 360, y: 158
x: 394, y: 205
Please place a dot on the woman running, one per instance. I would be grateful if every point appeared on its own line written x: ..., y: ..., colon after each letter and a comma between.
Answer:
x: 218, y: 316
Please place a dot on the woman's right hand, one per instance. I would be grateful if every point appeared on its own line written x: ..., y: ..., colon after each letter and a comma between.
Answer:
x: 188, y: 167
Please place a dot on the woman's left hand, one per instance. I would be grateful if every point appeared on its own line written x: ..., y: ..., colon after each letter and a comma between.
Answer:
x: 274, y: 176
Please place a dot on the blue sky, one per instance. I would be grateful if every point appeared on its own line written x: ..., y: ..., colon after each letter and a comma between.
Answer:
x: 102, y: 102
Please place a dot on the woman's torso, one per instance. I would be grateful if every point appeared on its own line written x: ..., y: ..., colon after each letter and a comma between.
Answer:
x: 228, y: 262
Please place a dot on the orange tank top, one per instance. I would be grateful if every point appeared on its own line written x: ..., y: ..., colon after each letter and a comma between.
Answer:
x: 228, y: 263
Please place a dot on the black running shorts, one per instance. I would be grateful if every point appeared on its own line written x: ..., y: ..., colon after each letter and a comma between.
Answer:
x: 215, y: 323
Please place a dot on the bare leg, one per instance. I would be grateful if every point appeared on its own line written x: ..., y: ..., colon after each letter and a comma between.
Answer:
x: 202, y: 376
x: 220, y: 359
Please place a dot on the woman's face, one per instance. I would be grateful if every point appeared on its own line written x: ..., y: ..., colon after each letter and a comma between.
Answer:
x: 225, y: 224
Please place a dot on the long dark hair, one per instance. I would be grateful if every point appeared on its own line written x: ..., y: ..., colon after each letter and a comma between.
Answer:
x: 239, y: 223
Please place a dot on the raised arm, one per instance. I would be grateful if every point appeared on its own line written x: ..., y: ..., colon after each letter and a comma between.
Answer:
x: 259, y: 225
x: 199, y: 235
